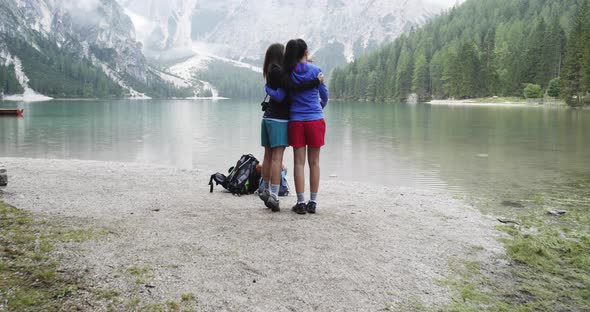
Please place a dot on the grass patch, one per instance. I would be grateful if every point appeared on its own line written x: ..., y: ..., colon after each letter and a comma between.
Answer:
x: 136, y: 304
x: 549, y: 259
x: 29, y: 277
x: 141, y: 273
x: 188, y: 297
x: 107, y: 294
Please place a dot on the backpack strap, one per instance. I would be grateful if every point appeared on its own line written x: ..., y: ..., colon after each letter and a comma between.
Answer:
x: 219, y: 179
x: 211, y: 183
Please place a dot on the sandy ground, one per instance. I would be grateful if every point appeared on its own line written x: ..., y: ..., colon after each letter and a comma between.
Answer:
x: 368, y: 248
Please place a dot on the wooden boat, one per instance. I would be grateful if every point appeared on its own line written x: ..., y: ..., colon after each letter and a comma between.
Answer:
x: 12, y: 112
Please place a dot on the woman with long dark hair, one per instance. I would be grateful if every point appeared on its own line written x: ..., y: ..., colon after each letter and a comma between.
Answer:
x: 307, y: 128
x: 275, y: 124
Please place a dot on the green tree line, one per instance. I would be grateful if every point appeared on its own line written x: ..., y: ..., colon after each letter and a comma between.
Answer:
x: 56, y: 73
x: 8, y: 81
x: 232, y: 81
x: 478, y: 49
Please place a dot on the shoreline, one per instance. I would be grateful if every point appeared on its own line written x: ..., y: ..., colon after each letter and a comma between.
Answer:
x: 469, y: 103
x: 376, y: 248
x: 500, y: 102
x: 12, y: 99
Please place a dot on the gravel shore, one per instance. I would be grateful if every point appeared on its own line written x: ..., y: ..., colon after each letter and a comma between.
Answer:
x: 369, y: 247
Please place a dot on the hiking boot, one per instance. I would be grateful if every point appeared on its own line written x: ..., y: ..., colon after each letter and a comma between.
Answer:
x: 273, y: 204
x: 299, y: 209
x: 264, y: 196
x: 311, y: 207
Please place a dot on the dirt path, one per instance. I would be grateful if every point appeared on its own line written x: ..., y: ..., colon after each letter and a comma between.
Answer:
x: 369, y: 248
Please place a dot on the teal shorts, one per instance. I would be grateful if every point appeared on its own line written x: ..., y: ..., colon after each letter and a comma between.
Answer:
x: 274, y: 133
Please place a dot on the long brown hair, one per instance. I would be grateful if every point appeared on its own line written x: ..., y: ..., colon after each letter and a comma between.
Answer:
x: 275, y: 54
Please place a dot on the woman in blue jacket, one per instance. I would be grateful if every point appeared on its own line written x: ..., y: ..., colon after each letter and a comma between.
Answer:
x: 275, y: 124
x: 307, y: 128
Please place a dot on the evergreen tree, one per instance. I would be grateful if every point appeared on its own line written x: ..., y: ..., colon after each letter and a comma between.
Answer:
x: 555, y: 45
x: 404, y: 74
x: 554, y: 89
x: 585, y: 59
x: 574, y: 79
x: 421, y: 78
x: 8, y: 81
x: 469, y: 71
x: 480, y: 48
x: 436, y: 70
x: 536, y: 66
x: 489, y: 71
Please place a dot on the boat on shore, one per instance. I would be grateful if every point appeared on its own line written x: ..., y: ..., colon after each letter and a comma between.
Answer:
x: 11, y: 112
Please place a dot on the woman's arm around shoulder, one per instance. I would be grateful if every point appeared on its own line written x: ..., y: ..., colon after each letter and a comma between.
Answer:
x: 307, y: 85
x: 278, y: 95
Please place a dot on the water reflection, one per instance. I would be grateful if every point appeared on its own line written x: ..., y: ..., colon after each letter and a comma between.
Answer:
x: 477, y: 149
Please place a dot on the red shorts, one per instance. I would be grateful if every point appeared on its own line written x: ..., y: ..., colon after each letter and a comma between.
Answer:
x: 307, y: 133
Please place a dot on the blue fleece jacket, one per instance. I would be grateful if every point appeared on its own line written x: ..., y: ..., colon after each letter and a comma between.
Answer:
x: 306, y: 105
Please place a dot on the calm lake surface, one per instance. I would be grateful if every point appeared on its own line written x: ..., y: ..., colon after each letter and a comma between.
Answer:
x: 497, y: 151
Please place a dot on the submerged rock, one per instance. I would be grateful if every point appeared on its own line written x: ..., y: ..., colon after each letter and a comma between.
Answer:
x: 3, y: 176
x: 513, y: 204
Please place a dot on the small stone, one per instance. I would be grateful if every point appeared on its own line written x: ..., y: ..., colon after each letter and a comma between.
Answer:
x: 254, y: 281
x: 557, y: 213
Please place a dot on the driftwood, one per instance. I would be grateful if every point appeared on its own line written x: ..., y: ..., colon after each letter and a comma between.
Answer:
x: 508, y: 221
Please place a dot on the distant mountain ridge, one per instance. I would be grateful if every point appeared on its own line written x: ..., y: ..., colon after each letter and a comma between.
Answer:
x: 189, y: 35
x: 241, y: 29
x: 77, y: 49
x: 98, y: 48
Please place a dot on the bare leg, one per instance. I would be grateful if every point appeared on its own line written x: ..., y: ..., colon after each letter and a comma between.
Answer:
x: 299, y: 171
x: 313, y: 154
x: 266, y: 165
x: 277, y: 164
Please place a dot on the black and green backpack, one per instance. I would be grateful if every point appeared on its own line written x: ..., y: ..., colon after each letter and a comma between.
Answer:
x: 242, y: 178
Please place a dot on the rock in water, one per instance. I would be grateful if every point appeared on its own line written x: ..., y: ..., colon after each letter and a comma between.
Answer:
x: 413, y: 99
x: 3, y: 176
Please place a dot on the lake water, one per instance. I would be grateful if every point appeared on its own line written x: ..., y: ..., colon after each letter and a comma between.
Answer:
x: 477, y: 150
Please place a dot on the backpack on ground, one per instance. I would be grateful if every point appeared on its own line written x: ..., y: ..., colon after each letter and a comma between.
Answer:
x: 242, y: 178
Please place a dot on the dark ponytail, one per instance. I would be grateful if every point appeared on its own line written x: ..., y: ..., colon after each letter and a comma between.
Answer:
x: 274, y: 56
x: 294, y: 52
x: 302, y: 48
x: 291, y: 56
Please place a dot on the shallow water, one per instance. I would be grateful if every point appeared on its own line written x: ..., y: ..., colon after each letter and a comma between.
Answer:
x: 498, y: 151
